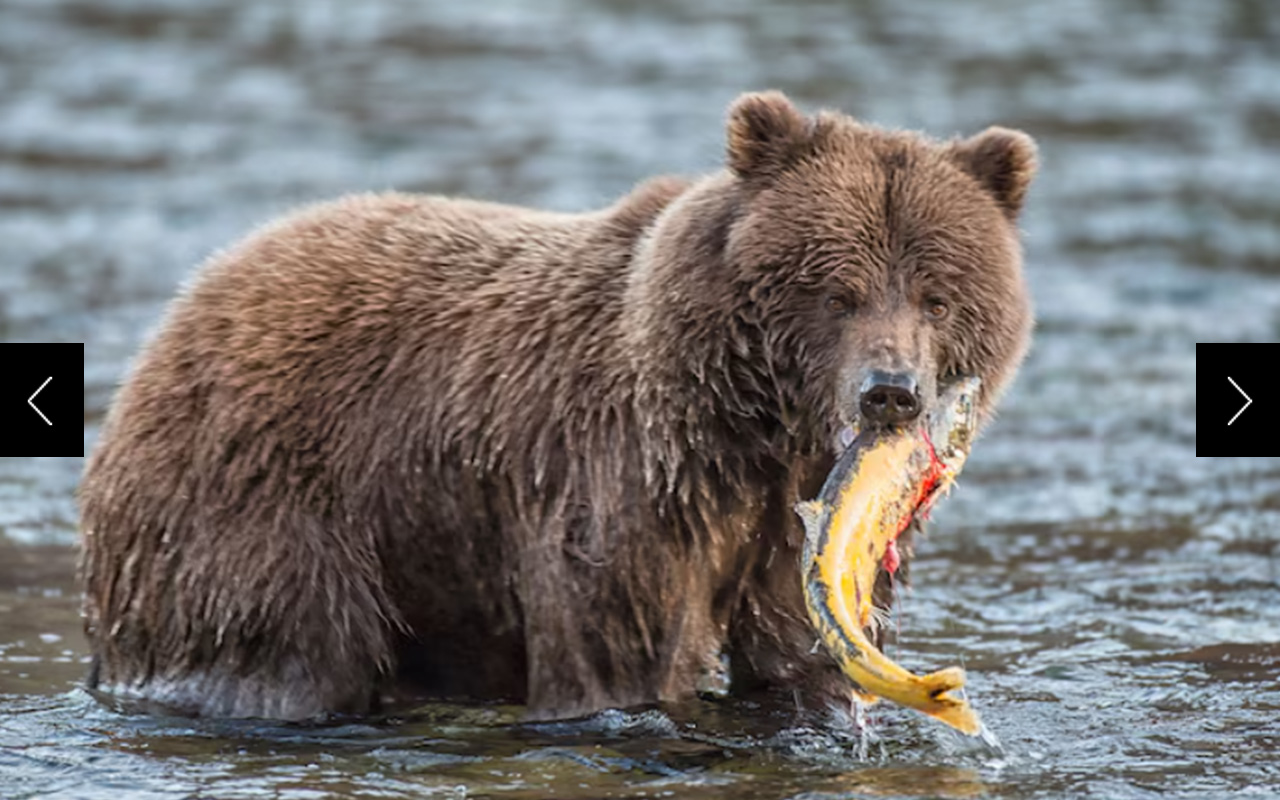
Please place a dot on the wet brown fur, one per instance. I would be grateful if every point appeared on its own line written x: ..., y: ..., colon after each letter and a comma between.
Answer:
x: 404, y: 441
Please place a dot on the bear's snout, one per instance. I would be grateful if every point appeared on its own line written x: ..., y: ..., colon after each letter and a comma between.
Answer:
x: 887, y: 399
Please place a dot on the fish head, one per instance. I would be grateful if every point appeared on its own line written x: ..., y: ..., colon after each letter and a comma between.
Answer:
x: 953, y: 424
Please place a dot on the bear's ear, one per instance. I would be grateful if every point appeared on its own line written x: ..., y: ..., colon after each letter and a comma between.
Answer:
x: 1003, y: 161
x: 765, y: 132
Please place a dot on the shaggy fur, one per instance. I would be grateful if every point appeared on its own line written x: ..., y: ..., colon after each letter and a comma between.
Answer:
x: 411, y: 443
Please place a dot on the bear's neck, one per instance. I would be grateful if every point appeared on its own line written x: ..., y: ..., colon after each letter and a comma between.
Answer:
x: 705, y: 392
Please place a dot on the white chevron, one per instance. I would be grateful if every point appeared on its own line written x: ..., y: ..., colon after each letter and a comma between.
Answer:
x: 33, y: 397
x: 1248, y: 401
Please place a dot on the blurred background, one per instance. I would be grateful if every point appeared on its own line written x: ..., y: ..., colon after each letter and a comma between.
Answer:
x: 1115, y: 599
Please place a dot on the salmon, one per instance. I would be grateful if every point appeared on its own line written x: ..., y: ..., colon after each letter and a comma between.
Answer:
x: 880, y: 483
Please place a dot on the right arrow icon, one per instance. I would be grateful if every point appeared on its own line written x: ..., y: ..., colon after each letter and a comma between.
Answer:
x: 1248, y: 401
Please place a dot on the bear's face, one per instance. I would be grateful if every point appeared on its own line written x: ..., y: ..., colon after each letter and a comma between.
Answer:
x: 878, y: 259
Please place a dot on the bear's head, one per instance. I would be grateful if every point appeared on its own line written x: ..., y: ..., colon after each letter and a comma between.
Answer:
x: 836, y: 273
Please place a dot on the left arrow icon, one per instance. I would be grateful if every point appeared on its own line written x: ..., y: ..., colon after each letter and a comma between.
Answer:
x: 31, y: 400
x: 1248, y: 401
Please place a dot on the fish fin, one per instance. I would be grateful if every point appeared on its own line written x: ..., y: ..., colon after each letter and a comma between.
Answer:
x: 811, y: 514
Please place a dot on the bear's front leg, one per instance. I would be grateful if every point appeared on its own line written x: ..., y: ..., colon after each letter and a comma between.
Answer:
x: 773, y: 646
x: 631, y: 629
x: 564, y: 629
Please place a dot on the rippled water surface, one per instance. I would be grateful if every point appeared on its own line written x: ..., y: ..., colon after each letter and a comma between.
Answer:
x: 1115, y: 599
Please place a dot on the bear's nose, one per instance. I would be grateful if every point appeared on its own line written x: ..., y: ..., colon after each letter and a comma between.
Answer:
x: 889, y: 398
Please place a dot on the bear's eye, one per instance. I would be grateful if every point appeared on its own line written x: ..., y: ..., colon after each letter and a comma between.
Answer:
x: 838, y: 306
x: 937, y: 308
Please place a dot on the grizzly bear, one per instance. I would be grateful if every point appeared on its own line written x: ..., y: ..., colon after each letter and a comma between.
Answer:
x: 401, y: 446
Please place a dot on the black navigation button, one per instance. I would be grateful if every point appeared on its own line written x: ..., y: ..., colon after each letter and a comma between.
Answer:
x: 1237, y: 402
x: 42, y: 400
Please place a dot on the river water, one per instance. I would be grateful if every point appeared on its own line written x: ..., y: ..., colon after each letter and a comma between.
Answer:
x: 1115, y: 599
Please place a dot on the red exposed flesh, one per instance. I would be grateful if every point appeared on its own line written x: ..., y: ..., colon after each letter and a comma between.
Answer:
x: 892, y: 559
